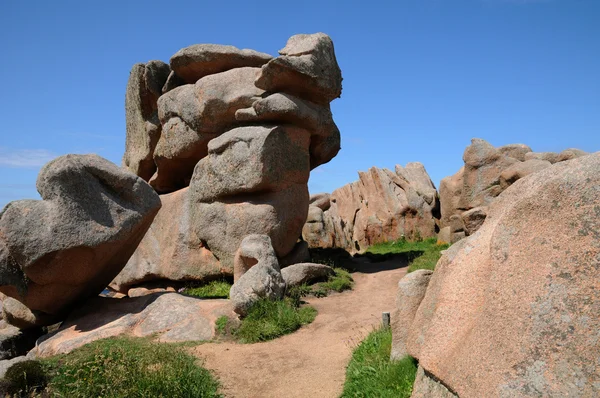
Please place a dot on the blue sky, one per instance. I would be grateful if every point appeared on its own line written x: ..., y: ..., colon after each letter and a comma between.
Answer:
x: 421, y: 77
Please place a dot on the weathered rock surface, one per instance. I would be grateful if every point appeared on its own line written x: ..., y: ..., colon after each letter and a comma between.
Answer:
x: 143, y: 127
x: 57, y: 251
x: 170, y: 250
x: 194, y: 62
x: 257, y: 274
x: 170, y: 317
x: 381, y: 206
x: 298, y: 274
x: 487, y: 172
x: 306, y: 68
x: 411, y: 290
x: 513, y: 310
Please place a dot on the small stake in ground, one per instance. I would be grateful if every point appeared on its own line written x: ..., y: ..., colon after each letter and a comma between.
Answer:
x: 385, y: 318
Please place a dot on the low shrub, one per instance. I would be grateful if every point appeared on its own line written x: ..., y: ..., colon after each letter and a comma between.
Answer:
x: 371, y: 374
x: 129, y: 367
x: 24, y: 379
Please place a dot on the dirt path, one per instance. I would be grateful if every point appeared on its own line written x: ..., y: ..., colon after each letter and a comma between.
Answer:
x: 312, y: 361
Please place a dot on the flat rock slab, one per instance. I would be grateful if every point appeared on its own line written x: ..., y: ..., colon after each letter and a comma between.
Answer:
x: 171, y: 317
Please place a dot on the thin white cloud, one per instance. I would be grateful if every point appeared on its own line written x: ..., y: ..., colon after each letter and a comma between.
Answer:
x: 25, y: 158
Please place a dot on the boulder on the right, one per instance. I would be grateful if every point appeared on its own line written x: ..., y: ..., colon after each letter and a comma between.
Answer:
x: 487, y: 172
x: 512, y: 311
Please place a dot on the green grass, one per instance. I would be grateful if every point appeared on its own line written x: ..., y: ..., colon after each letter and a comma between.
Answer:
x: 340, y: 280
x: 422, y: 254
x: 269, y: 319
x: 214, y: 289
x: 128, y: 367
x: 371, y: 374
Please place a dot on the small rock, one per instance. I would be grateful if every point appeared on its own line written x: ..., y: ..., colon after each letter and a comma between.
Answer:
x: 298, y: 274
x: 257, y: 274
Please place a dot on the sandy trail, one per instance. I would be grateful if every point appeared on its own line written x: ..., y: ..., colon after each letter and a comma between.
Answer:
x: 312, y: 361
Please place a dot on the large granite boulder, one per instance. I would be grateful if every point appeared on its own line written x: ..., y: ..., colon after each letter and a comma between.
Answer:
x: 512, y: 311
x: 57, y: 251
x: 243, y: 131
x: 381, y: 206
x: 257, y: 274
x: 487, y: 172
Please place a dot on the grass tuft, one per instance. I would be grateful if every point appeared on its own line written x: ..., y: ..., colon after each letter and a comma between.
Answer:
x: 423, y: 254
x: 371, y: 374
x: 341, y: 280
x: 269, y: 319
x: 129, y: 367
x: 214, y: 289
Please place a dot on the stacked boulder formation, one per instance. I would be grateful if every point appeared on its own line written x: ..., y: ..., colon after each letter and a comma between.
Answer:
x: 512, y: 311
x: 381, y: 206
x: 228, y: 137
x: 487, y: 172
x: 60, y: 250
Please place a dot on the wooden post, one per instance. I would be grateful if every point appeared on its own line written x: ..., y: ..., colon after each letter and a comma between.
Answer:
x: 385, y: 318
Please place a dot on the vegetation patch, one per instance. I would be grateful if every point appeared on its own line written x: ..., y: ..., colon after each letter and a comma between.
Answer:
x: 422, y: 254
x: 267, y: 320
x: 214, y: 289
x: 371, y: 374
x: 128, y: 367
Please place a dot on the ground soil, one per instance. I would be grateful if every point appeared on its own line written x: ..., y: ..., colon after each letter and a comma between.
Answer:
x: 312, y: 361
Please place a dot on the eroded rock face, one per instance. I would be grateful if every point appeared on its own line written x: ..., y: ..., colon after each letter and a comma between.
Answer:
x: 257, y: 274
x: 70, y: 245
x: 381, y: 206
x: 487, y: 172
x: 513, y: 309
x: 244, y: 138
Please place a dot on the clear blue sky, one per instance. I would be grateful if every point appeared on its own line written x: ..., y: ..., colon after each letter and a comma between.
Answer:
x: 421, y: 77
